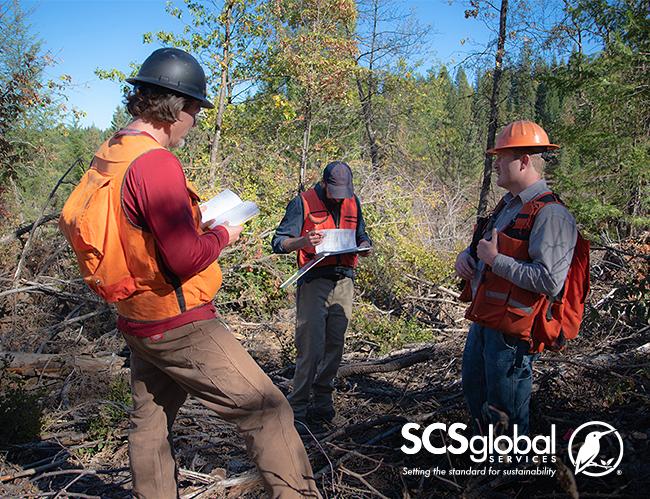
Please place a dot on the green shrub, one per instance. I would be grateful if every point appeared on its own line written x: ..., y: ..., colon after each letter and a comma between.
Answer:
x: 388, y: 331
x: 104, y: 424
x: 21, y: 413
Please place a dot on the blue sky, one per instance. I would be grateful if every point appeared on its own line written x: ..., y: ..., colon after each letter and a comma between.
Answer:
x: 83, y: 35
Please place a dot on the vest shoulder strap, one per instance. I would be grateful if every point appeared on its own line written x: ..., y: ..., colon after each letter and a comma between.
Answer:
x: 314, y: 209
x: 522, y: 224
x: 311, y: 202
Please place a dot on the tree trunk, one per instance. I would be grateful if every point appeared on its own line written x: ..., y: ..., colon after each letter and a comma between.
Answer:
x: 366, y: 112
x: 366, y: 97
x: 494, y: 110
x: 221, y: 104
x: 304, y: 156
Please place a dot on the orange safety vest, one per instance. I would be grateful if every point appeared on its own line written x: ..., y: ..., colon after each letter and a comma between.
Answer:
x: 118, y: 260
x: 317, y: 216
x: 531, y: 316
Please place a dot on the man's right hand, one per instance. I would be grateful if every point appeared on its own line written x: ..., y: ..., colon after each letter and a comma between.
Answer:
x: 313, y: 238
x: 233, y: 232
x: 465, y: 265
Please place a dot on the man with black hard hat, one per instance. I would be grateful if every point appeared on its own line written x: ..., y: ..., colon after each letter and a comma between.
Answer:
x: 325, y: 293
x: 176, y: 70
x: 159, y: 267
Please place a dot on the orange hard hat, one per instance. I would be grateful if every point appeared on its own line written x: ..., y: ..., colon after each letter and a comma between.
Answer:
x: 520, y: 134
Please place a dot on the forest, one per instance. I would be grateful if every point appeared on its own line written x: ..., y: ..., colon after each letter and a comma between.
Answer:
x: 297, y: 84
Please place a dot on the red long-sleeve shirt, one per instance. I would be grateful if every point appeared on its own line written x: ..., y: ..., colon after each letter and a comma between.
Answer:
x: 155, y: 198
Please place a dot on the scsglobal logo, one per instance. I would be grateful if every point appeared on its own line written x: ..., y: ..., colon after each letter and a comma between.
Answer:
x: 482, y: 447
x: 601, y: 450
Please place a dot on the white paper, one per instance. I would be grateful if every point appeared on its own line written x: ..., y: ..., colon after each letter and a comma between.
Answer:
x: 337, y: 240
x: 227, y: 207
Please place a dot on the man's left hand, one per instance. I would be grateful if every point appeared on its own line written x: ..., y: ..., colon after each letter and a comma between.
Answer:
x: 365, y: 244
x: 488, y: 250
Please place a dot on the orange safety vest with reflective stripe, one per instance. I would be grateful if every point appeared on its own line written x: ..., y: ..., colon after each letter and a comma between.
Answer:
x: 316, y: 216
x: 530, y: 316
x: 118, y: 260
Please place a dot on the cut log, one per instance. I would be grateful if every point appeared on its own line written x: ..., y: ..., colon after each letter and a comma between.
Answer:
x: 35, y: 364
x: 387, y: 364
x: 601, y: 362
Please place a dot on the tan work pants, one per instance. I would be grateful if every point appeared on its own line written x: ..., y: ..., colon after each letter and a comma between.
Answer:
x: 323, y: 311
x: 204, y: 359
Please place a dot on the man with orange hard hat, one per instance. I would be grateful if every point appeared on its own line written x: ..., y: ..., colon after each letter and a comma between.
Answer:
x: 515, y: 270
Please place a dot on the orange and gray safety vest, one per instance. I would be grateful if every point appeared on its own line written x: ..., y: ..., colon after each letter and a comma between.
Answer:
x: 544, y: 322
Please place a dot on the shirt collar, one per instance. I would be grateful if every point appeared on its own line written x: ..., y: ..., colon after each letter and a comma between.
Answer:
x: 532, y: 191
x: 529, y: 193
x: 319, y: 190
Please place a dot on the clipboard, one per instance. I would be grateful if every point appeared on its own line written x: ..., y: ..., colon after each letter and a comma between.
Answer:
x: 317, y: 259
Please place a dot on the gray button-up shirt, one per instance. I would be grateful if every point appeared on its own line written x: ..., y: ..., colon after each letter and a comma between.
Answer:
x: 551, y: 244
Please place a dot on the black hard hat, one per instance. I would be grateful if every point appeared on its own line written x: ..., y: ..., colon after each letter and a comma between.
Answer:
x: 176, y: 70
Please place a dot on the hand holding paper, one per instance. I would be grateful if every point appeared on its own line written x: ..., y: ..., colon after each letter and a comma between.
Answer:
x: 365, y: 245
x: 227, y: 207
x: 234, y: 232
x: 335, y: 242
x: 314, y: 238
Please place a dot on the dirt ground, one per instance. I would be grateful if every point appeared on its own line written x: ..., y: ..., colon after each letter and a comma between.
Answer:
x: 81, y: 450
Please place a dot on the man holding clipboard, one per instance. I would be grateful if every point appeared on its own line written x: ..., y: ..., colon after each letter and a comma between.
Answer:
x: 327, y: 215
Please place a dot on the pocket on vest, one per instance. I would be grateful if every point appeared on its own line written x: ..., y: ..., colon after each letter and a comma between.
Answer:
x: 521, y: 309
x: 505, y: 307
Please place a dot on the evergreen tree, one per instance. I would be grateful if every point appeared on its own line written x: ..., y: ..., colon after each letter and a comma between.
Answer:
x: 521, y: 98
x: 120, y: 119
x: 547, y: 100
x: 604, y: 130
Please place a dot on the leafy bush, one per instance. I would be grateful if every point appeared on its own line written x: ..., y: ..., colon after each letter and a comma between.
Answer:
x: 388, y: 331
x: 20, y: 411
x: 112, y: 414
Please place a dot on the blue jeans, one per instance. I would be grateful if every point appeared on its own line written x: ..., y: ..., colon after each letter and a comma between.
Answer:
x: 497, y: 380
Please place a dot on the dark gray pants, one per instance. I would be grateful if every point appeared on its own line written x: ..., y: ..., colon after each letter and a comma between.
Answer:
x: 323, y: 312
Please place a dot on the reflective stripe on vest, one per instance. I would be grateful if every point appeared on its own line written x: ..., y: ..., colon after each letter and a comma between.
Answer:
x: 317, y: 216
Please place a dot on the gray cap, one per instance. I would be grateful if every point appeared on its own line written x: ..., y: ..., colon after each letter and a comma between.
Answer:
x: 338, y: 177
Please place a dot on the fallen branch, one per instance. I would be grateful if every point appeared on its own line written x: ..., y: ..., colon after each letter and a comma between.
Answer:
x: 35, y: 364
x: 599, y: 362
x: 391, y: 431
x: 39, y: 221
x: 33, y: 471
x: 618, y: 250
x: 83, y: 472
x: 24, y: 229
x: 37, y: 287
x: 362, y: 479
x: 238, y: 484
x: 426, y: 282
x: 57, y: 328
x: 391, y: 363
